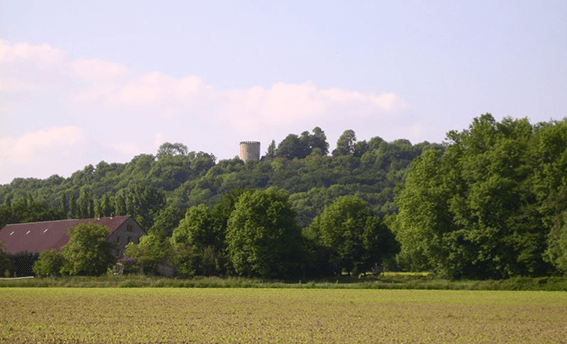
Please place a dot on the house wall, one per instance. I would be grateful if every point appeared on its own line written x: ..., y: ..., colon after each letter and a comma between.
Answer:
x: 129, y: 231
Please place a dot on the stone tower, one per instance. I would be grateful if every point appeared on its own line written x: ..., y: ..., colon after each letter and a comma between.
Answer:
x: 249, y: 150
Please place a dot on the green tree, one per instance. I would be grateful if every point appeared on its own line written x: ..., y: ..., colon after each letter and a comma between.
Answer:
x: 271, y: 152
x: 556, y: 252
x: 119, y: 202
x: 360, y: 148
x: 203, y: 238
x: 197, y: 228
x: 50, y: 263
x: 63, y: 205
x: 105, y: 205
x: 26, y: 209
x: 85, y: 203
x: 8, y: 202
x: 73, y: 211
x: 292, y: 147
x: 262, y: 237
x: 202, y: 163
x: 305, y: 145
x: 319, y: 140
x: 148, y: 253
x: 424, y: 214
x: 165, y: 222
x: 473, y: 211
x: 88, y: 252
x: 345, y: 143
x: 5, y: 217
x: 355, y: 239
x: 551, y: 189
x: 143, y: 202
x: 168, y: 149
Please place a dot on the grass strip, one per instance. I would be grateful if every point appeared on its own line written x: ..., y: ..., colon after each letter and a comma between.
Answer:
x: 388, y: 281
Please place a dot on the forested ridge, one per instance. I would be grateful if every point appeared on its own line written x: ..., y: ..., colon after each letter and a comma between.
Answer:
x: 489, y: 202
x: 300, y: 164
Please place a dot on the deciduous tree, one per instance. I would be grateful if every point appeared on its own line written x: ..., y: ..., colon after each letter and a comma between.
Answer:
x: 271, y: 152
x: 345, y: 143
x: 149, y: 252
x: 263, y: 238
x: 165, y: 222
x: 473, y: 211
x: 87, y: 251
x: 355, y: 239
x: 168, y: 149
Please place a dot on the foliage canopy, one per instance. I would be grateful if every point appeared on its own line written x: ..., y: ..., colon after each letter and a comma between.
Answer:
x: 88, y: 252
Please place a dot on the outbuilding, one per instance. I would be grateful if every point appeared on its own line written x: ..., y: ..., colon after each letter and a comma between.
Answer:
x: 42, y: 236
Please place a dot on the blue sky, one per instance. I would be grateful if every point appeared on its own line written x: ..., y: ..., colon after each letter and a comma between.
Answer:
x: 86, y: 81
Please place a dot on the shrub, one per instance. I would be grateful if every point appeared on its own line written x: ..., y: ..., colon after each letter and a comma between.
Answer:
x: 49, y: 263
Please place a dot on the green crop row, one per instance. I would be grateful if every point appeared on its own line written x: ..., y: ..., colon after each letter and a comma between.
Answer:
x: 237, y: 315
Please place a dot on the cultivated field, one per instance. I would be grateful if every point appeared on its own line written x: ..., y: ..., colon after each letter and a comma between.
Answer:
x: 170, y: 315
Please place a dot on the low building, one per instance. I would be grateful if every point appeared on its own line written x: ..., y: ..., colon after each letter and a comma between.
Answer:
x: 42, y: 236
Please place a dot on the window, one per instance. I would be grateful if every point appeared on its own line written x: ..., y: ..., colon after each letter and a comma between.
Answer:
x: 129, y: 228
x: 129, y: 240
x: 118, y: 240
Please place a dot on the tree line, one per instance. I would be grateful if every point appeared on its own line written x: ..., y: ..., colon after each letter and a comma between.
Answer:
x: 182, y: 179
x: 491, y: 205
x: 488, y: 202
x: 248, y: 233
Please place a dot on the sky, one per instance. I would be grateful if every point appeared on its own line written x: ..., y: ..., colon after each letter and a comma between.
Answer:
x: 89, y: 81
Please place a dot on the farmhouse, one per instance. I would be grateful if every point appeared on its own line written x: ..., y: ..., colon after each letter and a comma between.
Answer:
x: 41, y: 236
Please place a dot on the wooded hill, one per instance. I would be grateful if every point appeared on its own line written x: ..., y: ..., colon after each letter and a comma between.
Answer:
x: 300, y: 165
x: 491, y: 202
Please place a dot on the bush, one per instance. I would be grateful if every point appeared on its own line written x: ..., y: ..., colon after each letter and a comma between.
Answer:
x: 127, y: 265
x: 49, y: 263
x: 23, y: 263
x: 5, y: 261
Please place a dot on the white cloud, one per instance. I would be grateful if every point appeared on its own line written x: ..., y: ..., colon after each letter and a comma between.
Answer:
x: 27, y: 68
x: 7, y: 106
x: 41, y: 145
x: 384, y: 101
x: 157, y: 89
x: 8, y: 84
x: 96, y: 69
x: 158, y: 140
x: 43, y: 55
x: 245, y: 110
x: 93, y: 94
x: 285, y: 104
x: 416, y: 131
x: 127, y: 149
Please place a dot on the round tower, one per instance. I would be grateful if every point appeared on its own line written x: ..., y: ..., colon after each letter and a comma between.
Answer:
x: 249, y: 150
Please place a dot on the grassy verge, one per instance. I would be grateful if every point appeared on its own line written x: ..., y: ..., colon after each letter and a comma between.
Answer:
x: 387, y: 281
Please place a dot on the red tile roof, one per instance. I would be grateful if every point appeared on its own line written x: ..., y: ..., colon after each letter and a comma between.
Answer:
x: 41, y: 236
